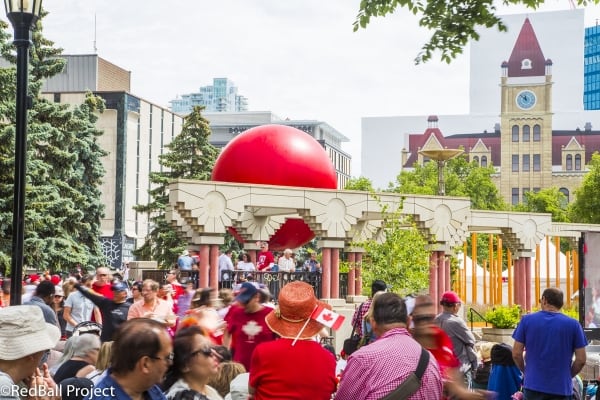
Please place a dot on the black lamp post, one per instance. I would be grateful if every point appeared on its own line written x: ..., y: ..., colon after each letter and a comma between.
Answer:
x: 22, y: 14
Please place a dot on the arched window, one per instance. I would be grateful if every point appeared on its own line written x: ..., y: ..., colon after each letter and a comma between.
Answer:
x: 515, y: 133
x: 577, y: 162
x: 565, y: 191
x: 476, y: 159
x: 526, y: 131
x: 569, y: 162
x: 537, y: 133
x: 526, y: 63
x: 483, y: 161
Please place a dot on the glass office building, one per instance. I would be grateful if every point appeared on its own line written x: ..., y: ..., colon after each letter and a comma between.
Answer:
x: 221, y: 96
x: 591, y: 90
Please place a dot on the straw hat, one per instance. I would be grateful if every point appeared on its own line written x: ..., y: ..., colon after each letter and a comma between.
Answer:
x: 23, y: 331
x: 297, y: 302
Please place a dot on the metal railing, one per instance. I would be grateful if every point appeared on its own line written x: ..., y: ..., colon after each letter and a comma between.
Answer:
x: 473, y: 311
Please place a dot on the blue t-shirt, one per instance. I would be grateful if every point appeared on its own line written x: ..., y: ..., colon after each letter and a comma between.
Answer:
x: 550, y: 339
x: 109, y: 389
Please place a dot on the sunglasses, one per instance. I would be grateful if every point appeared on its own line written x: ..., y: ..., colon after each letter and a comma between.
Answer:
x: 207, y: 352
x: 423, y: 318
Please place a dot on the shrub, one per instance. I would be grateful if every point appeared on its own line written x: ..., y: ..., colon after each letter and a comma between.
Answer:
x: 504, y: 317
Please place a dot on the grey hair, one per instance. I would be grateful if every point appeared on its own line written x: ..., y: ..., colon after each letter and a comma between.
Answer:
x: 84, y: 344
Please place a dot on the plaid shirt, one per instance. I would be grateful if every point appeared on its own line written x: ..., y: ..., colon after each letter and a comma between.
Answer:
x: 359, y: 314
x: 375, y: 370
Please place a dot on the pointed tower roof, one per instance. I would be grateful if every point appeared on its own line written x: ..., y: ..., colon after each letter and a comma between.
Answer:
x: 526, y: 58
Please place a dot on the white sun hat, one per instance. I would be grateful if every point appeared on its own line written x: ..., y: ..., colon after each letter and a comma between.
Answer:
x: 23, y: 331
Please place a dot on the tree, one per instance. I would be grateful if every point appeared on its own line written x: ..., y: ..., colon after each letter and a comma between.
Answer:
x: 360, y: 183
x: 586, y: 206
x: 453, y: 22
x: 462, y: 179
x: 401, y: 258
x: 64, y: 171
x: 550, y: 200
x: 189, y: 156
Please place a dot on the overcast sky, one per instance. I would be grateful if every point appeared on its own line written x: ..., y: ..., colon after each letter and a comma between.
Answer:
x: 296, y: 58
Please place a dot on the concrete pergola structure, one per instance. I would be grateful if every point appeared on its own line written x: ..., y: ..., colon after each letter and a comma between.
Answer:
x: 204, y: 210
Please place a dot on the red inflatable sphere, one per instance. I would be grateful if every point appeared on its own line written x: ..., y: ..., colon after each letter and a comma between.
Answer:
x: 275, y: 155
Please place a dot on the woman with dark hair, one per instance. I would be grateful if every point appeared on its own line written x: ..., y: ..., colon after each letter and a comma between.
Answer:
x: 136, y: 292
x: 194, y: 364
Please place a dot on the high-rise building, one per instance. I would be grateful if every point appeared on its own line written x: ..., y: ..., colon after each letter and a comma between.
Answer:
x: 591, y: 68
x: 136, y: 132
x: 221, y: 96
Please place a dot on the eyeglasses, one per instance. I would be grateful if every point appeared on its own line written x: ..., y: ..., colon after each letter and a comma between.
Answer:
x: 423, y: 318
x: 207, y: 352
x: 57, y: 296
x: 102, y: 274
x: 168, y: 358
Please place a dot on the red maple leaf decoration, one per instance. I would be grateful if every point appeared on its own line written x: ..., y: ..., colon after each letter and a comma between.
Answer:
x: 327, y: 317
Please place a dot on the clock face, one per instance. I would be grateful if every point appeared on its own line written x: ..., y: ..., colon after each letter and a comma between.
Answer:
x: 526, y: 99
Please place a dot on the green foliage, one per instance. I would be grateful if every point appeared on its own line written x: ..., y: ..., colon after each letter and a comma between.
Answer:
x: 361, y: 183
x: 454, y: 22
x: 189, y: 156
x: 550, y: 200
x: 572, y: 312
x: 586, y: 206
x: 504, y: 317
x: 64, y: 169
x: 400, y: 258
x: 462, y: 179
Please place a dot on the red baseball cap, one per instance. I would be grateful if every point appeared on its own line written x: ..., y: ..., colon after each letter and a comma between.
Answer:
x: 450, y: 297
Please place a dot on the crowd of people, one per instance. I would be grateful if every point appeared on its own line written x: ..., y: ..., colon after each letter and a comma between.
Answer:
x: 96, y: 337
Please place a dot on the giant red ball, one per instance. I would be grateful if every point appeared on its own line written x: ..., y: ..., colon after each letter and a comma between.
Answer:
x: 275, y: 155
x: 278, y: 155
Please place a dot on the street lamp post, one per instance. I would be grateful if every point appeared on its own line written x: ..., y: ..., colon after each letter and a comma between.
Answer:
x: 22, y: 14
x: 441, y: 156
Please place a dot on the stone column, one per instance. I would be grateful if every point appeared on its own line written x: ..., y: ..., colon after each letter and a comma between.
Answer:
x: 326, y: 273
x: 448, y: 278
x: 204, y: 266
x: 433, y: 278
x: 335, y: 273
x: 351, y: 273
x: 441, y: 272
x: 358, y: 275
x: 252, y: 250
x: 527, y: 262
x: 214, y: 267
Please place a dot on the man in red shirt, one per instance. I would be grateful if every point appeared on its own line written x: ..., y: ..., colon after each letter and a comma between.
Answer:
x: 102, y: 283
x: 246, y: 326
x: 264, y: 259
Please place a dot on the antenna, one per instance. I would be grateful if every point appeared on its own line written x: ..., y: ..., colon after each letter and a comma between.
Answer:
x: 95, y: 48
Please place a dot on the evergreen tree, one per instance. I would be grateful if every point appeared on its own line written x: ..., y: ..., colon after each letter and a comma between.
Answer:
x: 64, y: 169
x: 189, y: 156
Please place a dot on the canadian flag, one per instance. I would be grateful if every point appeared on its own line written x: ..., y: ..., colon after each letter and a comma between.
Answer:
x: 327, y: 317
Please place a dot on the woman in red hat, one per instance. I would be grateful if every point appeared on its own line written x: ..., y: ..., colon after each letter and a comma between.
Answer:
x: 294, y: 366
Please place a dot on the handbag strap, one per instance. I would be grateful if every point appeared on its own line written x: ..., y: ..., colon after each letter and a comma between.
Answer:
x: 402, y: 392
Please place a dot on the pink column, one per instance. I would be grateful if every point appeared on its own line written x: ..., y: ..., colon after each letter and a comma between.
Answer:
x: 335, y: 273
x: 214, y: 267
x: 252, y: 255
x: 441, y: 275
x: 204, y: 265
x: 527, y: 262
x: 326, y: 273
x: 516, y: 278
x: 448, y: 279
x: 358, y: 282
x: 351, y: 273
x: 433, y: 279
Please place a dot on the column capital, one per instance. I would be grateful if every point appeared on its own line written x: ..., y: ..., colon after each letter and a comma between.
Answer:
x: 209, y: 239
x: 331, y: 243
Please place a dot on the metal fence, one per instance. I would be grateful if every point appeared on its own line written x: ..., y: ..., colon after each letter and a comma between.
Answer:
x: 273, y: 281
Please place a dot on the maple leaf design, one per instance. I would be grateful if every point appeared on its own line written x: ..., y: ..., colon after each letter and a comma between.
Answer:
x: 327, y: 317
x: 251, y: 328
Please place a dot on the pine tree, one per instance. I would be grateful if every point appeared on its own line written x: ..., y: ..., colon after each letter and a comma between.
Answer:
x: 64, y: 169
x: 189, y: 156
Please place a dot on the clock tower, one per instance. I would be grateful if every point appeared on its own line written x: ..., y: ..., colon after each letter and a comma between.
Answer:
x: 525, y: 119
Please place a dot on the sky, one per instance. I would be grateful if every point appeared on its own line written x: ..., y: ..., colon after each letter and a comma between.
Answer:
x: 299, y: 59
